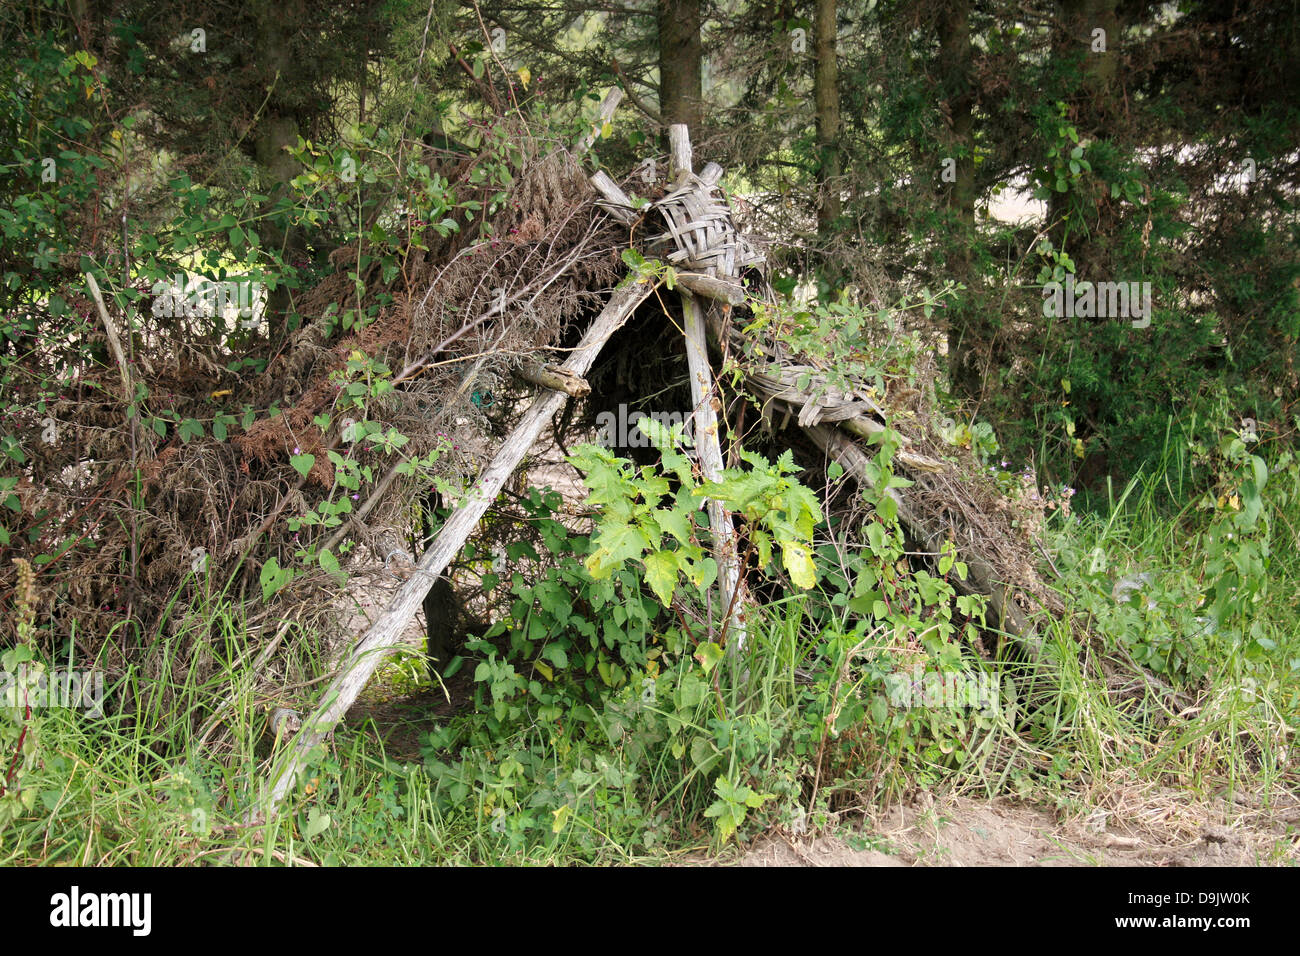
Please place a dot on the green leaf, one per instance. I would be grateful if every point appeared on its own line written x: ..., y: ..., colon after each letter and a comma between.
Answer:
x: 675, y: 523
x: 690, y: 692
x: 330, y: 564
x: 798, y: 564
x: 704, y: 572
x: 661, y: 574
x: 273, y: 577
x: 704, y: 755
x: 1261, y: 472
x: 190, y: 429
x: 615, y: 545
x: 708, y: 655
x: 317, y: 823
x: 302, y: 463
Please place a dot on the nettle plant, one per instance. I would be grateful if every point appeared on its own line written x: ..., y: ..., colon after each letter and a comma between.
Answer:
x: 1238, y: 540
x: 607, y: 688
x: 644, y: 519
x: 608, y: 666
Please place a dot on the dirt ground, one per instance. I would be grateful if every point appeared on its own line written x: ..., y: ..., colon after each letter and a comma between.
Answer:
x: 966, y: 832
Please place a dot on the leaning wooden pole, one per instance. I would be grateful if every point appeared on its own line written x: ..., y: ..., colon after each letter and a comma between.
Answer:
x: 707, y: 444
x: 386, y: 632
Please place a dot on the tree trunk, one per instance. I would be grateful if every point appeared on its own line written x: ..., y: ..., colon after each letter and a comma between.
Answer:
x: 681, y: 52
x: 278, y: 126
x: 970, y: 333
x: 826, y: 95
x: 1095, y: 110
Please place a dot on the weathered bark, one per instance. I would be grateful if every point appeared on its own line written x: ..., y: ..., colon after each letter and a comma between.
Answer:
x: 110, y: 332
x: 720, y: 290
x: 1100, y: 67
x: 1099, y: 107
x: 707, y: 445
x: 681, y: 52
x: 618, y: 205
x: 969, y: 330
x: 278, y: 126
x: 955, y: 55
x: 731, y: 592
x: 552, y: 376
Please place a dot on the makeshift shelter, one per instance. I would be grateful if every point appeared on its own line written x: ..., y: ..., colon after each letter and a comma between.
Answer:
x: 697, y: 235
x: 489, y: 338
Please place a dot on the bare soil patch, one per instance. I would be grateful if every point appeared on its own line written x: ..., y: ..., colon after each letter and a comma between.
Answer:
x: 961, y: 831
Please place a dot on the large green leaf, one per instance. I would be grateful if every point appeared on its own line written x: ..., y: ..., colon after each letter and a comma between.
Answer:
x: 661, y: 574
x: 798, y: 564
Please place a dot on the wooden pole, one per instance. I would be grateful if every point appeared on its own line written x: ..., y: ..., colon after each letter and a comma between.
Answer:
x: 554, y: 377
x: 720, y: 290
x: 386, y: 632
x: 617, y: 203
x: 110, y: 331
x: 706, y: 422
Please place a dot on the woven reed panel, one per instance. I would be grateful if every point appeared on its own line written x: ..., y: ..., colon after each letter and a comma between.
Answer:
x: 701, y: 234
